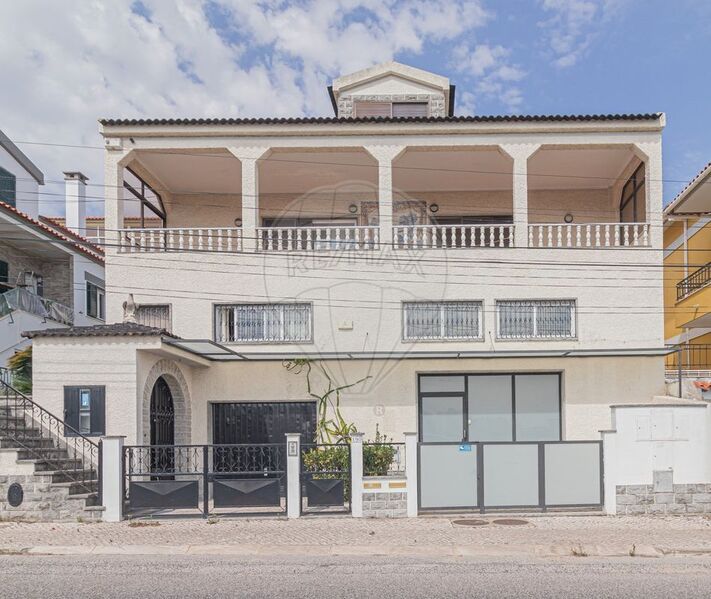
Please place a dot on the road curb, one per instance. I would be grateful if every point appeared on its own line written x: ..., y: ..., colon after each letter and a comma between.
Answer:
x: 454, y: 551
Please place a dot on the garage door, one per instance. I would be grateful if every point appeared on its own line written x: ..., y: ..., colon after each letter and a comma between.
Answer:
x: 264, y: 422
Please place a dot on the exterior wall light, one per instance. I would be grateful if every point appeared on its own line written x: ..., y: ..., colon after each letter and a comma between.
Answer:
x: 352, y: 208
x: 238, y: 222
x: 568, y: 218
x: 434, y: 208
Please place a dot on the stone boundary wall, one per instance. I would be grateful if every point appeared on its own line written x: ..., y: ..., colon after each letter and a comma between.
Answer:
x: 664, y: 497
x: 384, y: 497
x: 43, y: 502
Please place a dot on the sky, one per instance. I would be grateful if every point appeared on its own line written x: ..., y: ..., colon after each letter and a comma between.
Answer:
x: 66, y: 64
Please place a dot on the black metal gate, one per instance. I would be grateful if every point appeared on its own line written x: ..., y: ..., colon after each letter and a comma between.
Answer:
x: 326, y: 478
x: 162, y: 414
x: 262, y: 422
x: 239, y: 478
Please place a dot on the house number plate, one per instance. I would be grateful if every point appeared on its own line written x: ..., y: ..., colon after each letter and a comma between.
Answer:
x: 292, y: 449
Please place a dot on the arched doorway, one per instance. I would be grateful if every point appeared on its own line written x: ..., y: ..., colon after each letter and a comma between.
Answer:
x: 162, y: 414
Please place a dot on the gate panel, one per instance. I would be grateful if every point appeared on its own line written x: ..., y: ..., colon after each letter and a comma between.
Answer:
x: 573, y: 474
x: 448, y: 475
x: 511, y: 475
x: 326, y: 477
x: 246, y: 493
x: 164, y: 494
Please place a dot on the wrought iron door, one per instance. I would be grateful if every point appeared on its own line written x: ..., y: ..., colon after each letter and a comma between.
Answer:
x: 162, y: 427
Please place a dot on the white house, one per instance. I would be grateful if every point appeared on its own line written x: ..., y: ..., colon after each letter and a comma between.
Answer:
x: 50, y: 276
x: 481, y: 278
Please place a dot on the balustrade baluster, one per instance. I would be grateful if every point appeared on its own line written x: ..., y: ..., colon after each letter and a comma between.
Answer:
x: 626, y: 231
x: 607, y: 236
x: 530, y: 236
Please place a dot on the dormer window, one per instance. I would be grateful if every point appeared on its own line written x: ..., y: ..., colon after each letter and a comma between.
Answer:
x: 391, y: 109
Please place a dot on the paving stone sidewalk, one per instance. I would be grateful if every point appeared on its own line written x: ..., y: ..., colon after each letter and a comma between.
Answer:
x: 542, y: 535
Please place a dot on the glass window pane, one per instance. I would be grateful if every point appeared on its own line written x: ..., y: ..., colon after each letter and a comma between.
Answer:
x: 441, y: 384
x: 422, y: 321
x: 84, y: 423
x: 537, y: 407
x: 573, y: 473
x: 442, y: 419
x: 554, y: 319
x: 84, y: 399
x: 515, y: 319
x: 490, y: 408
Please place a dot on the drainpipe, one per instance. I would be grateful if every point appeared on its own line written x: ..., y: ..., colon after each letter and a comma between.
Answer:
x: 678, y: 365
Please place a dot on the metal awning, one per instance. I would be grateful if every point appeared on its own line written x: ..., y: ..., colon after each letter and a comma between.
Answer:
x: 702, y: 322
x: 217, y: 352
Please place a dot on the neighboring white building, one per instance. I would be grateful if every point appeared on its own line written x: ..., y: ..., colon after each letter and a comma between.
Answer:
x: 481, y: 273
x: 50, y: 276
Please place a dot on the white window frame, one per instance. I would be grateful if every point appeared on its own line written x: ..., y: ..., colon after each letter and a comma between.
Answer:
x: 536, y: 304
x: 100, y: 301
x: 477, y: 304
x: 85, y: 411
x: 220, y: 325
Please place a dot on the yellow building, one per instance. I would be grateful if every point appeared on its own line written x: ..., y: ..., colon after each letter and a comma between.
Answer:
x: 687, y: 275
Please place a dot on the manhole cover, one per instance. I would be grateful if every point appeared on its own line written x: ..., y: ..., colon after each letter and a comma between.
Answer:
x: 511, y: 522
x: 470, y: 522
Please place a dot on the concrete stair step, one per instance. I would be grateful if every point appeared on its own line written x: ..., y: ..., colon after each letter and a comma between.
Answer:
x: 33, y: 442
x: 40, y: 454
x: 76, y: 488
x: 68, y: 476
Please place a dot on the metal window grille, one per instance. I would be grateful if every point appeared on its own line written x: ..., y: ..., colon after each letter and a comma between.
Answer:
x: 263, y: 322
x: 541, y: 319
x: 157, y: 315
x: 442, y: 320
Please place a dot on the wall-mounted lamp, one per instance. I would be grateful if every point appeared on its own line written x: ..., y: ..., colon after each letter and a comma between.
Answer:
x: 434, y: 208
x: 238, y: 222
x: 352, y: 208
x: 568, y: 218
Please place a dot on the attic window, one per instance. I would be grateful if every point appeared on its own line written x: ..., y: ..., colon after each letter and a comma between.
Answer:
x: 390, y: 109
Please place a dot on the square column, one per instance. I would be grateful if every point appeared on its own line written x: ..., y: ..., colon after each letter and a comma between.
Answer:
x: 385, y: 155
x: 520, y: 153
x: 293, y: 475
x: 249, y: 158
x: 412, y: 473
x: 651, y: 154
x: 111, y: 465
x: 357, y: 475
x: 114, y: 163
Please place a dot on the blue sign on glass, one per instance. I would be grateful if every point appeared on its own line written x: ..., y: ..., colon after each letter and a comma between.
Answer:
x: 464, y: 447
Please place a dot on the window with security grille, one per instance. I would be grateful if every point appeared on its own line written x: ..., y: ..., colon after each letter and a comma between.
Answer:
x: 250, y: 323
x: 442, y: 320
x: 535, y: 319
x: 154, y: 315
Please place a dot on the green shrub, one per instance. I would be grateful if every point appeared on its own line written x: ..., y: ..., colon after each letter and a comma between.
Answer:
x: 377, y: 459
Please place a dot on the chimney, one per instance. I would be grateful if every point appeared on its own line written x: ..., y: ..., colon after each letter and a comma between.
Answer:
x: 75, y: 197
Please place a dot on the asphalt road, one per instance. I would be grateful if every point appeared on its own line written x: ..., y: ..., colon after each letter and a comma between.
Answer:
x: 344, y: 577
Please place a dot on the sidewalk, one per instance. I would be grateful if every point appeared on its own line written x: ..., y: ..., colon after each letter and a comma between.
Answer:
x: 435, y: 536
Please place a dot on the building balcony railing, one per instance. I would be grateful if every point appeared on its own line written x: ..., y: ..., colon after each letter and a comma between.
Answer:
x: 695, y: 281
x: 689, y: 357
x: 22, y: 299
x: 317, y: 238
x: 213, y: 239
x: 352, y: 237
x: 453, y: 236
x: 588, y: 235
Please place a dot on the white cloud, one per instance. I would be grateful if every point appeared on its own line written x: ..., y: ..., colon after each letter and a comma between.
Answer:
x: 573, y: 25
x: 75, y: 61
x: 495, y: 76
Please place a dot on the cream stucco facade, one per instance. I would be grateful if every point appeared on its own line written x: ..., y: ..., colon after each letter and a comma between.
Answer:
x: 514, y: 208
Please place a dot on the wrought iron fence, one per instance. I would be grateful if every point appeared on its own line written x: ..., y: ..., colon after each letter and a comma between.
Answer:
x: 383, y: 459
x: 48, y: 439
x: 695, y: 281
x: 690, y: 356
x: 169, y: 477
x: 326, y: 476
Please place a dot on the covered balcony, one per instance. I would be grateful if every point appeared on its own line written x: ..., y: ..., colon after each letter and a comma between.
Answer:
x: 288, y: 199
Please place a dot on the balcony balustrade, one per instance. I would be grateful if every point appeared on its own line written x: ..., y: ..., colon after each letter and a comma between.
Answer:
x: 695, y: 281
x: 453, y: 236
x: 427, y: 237
x: 588, y: 235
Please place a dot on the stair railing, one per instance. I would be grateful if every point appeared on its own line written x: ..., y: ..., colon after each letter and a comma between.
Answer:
x: 29, y: 425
